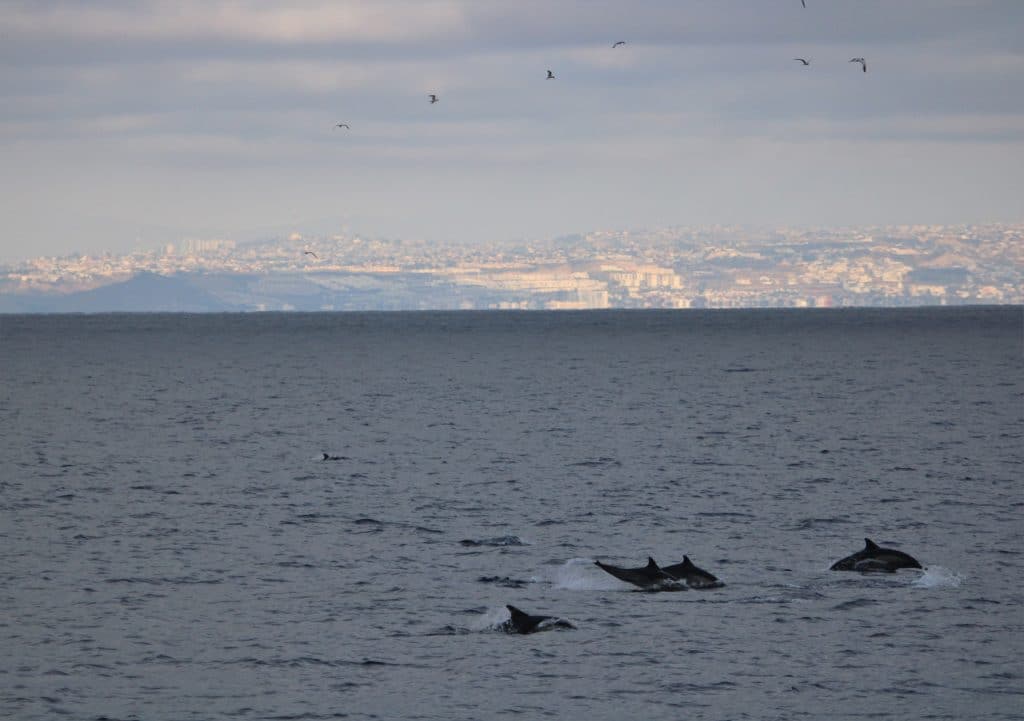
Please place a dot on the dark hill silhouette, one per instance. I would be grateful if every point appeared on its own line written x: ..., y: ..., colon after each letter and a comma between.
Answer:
x: 142, y: 293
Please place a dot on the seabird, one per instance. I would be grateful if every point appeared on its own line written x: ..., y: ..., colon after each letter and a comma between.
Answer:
x: 309, y: 252
x: 551, y: 75
x: 862, y: 61
x: 433, y: 98
x: 621, y: 42
x: 804, y: 3
x: 342, y: 125
x: 805, y: 62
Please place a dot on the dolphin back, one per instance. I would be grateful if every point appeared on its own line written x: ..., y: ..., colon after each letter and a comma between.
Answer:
x: 647, y: 577
x: 522, y: 622
x: 693, y: 576
x: 873, y: 558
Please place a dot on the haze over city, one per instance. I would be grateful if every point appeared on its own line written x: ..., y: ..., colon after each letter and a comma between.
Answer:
x: 131, y: 126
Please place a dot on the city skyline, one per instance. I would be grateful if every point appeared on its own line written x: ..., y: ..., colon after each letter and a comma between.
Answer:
x: 142, y: 125
x: 704, y: 267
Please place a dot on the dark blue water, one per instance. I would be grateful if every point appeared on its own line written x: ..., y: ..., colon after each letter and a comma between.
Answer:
x: 174, y: 548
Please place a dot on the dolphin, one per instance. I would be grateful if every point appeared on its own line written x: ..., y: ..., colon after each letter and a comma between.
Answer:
x: 874, y: 558
x: 693, y: 576
x: 650, y: 577
x: 522, y: 622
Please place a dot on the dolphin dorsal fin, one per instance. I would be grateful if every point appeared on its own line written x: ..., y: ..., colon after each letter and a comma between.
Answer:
x: 514, y: 611
x: 687, y: 563
x: 652, y: 564
x: 870, y: 545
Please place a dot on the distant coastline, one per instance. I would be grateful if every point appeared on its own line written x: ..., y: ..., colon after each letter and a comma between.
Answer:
x: 665, y: 268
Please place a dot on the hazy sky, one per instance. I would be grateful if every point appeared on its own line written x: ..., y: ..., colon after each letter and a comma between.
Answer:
x: 132, y: 123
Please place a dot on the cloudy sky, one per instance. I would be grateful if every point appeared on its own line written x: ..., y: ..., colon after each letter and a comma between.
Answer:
x: 132, y: 123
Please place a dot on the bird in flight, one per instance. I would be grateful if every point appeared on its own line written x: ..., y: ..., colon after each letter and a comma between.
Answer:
x: 621, y: 42
x: 862, y: 61
x: 433, y: 98
x: 342, y: 125
x: 551, y: 75
x: 309, y: 252
x: 803, y: 60
x: 804, y: 3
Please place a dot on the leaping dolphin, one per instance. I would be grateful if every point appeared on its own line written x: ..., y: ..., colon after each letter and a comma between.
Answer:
x: 650, y: 577
x: 522, y: 622
x: 874, y: 558
x: 693, y: 576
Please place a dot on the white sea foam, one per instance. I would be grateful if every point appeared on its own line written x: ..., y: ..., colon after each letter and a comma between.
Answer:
x: 939, y: 577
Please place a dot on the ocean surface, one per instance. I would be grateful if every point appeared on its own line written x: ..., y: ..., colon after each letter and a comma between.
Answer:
x: 174, y: 546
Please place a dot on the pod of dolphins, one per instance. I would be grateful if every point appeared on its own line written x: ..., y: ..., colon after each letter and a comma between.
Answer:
x: 680, y: 576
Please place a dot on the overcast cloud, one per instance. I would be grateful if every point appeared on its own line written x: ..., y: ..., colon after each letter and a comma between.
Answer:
x: 129, y: 124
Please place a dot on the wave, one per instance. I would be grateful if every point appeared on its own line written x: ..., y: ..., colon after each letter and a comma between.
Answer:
x: 506, y: 581
x: 807, y: 524
x: 602, y: 462
x: 159, y: 581
x: 496, y: 541
x: 854, y: 603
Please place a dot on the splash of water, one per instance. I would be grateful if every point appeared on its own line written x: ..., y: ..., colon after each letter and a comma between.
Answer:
x: 939, y: 577
x: 580, y: 574
x: 491, y: 620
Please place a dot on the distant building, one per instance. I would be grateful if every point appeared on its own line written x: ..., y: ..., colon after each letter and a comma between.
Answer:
x: 194, y: 245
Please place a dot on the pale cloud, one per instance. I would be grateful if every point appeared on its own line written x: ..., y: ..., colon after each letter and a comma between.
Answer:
x: 390, y: 21
x: 307, y: 76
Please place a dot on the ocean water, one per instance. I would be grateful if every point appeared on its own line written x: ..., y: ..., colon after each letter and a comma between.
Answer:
x: 174, y: 546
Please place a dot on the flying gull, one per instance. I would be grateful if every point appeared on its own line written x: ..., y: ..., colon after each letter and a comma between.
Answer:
x: 433, y: 98
x: 342, y: 125
x: 862, y: 61
x: 309, y: 252
x: 551, y: 75
x: 621, y: 42
x: 804, y: 61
